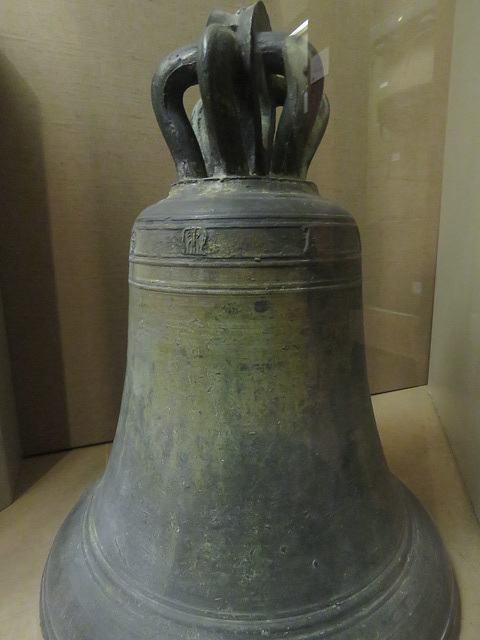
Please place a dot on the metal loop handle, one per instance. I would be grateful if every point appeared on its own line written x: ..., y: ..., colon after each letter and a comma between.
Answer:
x: 220, y: 78
x: 173, y: 76
x: 244, y: 72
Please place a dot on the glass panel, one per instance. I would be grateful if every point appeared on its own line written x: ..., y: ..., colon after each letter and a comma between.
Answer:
x: 381, y: 158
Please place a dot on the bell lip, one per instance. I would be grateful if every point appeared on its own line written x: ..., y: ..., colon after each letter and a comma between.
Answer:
x: 370, y: 615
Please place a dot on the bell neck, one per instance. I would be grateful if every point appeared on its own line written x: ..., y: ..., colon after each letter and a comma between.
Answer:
x: 245, y: 184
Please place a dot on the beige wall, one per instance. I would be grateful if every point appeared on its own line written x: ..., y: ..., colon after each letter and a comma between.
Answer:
x: 81, y: 156
x: 455, y: 358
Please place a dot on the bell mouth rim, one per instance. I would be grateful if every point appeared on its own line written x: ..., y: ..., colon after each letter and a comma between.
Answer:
x: 359, y: 610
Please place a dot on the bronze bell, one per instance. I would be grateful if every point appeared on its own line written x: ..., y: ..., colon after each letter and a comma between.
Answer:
x: 247, y: 494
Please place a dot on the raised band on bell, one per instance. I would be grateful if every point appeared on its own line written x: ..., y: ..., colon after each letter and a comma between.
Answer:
x: 247, y: 494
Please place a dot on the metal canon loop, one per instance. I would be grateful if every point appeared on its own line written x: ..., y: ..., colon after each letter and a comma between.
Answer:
x: 174, y: 75
x: 221, y: 81
x: 244, y: 71
x: 300, y: 129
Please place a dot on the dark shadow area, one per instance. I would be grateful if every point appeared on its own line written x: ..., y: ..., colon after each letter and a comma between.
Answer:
x: 27, y: 277
x: 33, y: 469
